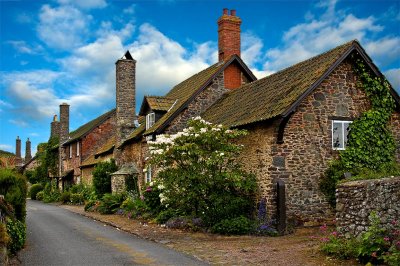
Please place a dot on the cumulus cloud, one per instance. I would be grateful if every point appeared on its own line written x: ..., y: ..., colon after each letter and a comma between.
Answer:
x: 393, y: 75
x: 63, y: 27
x: 324, y: 30
x: 163, y: 62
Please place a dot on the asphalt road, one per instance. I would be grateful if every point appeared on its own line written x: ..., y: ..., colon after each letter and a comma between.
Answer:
x: 56, y: 236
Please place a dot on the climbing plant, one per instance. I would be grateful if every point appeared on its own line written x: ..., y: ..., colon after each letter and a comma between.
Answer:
x: 370, y: 141
x: 370, y: 146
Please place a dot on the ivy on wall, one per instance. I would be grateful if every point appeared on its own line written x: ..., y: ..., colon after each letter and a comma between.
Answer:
x: 371, y: 145
x: 370, y: 141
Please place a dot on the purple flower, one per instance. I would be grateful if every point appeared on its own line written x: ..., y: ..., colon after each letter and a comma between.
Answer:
x: 387, y: 239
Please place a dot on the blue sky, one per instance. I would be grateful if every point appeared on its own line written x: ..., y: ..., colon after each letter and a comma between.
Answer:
x: 64, y: 50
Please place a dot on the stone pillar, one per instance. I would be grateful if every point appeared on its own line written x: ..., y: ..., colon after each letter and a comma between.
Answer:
x: 28, y: 154
x: 125, y: 96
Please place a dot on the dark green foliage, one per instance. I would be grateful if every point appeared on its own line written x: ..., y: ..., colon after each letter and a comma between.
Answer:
x: 235, y: 226
x: 40, y: 195
x: 152, y: 199
x: 17, y: 233
x: 77, y: 198
x: 331, y: 177
x: 35, y: 189
x: 102, y: 177
x: 131, y: 184
x: 65, y: 197
x: 86, y: 191
x: 110, y: 203
x: 14, y: 188
x: 165, y: 215
x: 91, y: 205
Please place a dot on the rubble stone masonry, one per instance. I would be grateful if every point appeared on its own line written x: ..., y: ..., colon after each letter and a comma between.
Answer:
x: 357, y: 199
x: 307, y: 149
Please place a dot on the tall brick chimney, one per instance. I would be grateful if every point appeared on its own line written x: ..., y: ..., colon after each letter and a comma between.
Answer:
x: 228, y: 45
x: 55, y: 127
x: 28, y: 154
x: 64, y: 122
x: 228, y: 34
x: 125, y: 96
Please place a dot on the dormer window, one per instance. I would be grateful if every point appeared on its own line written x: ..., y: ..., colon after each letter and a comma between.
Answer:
x: 150, y: 120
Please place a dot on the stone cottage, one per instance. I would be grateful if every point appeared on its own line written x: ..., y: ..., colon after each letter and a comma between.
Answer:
x: 297, y: 118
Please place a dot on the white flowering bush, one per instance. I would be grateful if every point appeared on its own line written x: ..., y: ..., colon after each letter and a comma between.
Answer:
x: 199, y: 174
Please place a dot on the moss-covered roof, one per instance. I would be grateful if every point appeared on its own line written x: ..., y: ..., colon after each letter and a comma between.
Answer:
x: 156, y: 103
x: 6, y: 154
x: 275, y: 94
x: 182, y: 92
x: 91, y: 160
x: 107, y: 147
x: 89, y: 126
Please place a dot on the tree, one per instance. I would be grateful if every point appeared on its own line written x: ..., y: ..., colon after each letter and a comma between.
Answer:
x: 199, y: 174
x: 102, y: 177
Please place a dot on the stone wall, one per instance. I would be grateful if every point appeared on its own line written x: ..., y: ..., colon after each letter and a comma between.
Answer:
x: 357, y: 199
x: 306, y: 150
x: 202, y: 101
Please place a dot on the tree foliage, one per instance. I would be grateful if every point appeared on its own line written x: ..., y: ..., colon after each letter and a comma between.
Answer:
x: 199, y: 174
x: 102, y: 177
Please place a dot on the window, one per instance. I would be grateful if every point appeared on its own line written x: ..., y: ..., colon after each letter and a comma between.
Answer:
x: 77, y: 149
x: 150, y: 120
x: 148, y: 174
x: 70, y: 151
x: 340, y: 131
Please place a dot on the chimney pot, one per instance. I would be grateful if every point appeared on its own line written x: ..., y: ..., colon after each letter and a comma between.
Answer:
x: 225, y: 11
x: 233, y: 12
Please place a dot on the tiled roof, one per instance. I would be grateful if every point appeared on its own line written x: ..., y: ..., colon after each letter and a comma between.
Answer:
x: 158, y: 103
x: 273, y: 95
x: 90, y: 161
x: 108, y: 146
x: 89, y: 126
x: 183, y: 91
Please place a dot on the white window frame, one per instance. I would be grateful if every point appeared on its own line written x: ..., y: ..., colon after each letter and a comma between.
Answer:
x: 343, y: 122
x: 70, y: 151
x: 148, y: 174
x: 77, y: 149
x: 150, y: 120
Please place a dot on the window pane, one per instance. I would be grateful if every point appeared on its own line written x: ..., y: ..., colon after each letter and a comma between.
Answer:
x: 346, y: 132
x: 337, y: 135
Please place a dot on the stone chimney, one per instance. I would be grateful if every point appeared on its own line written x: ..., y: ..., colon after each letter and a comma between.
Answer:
x: 228, y: 45
x: 228, y: 35
x: 55, y: 127
x: 18, y: 159
x: 125, y: 96
x: 28, y: 154
x: 64, y: 122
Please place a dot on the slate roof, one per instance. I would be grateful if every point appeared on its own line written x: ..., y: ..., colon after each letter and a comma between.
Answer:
x: 189, y: 88
x: 108, y: 146
x: 89, y: 126
x: 275, y: 94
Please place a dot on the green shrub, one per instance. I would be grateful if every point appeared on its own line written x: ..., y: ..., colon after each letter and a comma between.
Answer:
x: 152, y: 199
x: 65, y: 197
x: 4, y: 237
x: 40, y: 195
x: 17, y: 232
x: 77, y: 198
x: 165, y: 215
x: 110, y: 203
x: 91, y: 205
x: 235, y: 226
x: 51, y: 193
x: 14, y: 188
x: 35, y: 189
x: 102, y: 177
x: 330, y: 179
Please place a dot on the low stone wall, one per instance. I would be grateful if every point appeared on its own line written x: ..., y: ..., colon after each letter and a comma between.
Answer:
x: 357, y: 199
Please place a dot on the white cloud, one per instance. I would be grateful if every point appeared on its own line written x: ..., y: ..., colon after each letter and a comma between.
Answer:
x: 393, y: 75
x: 63, y: 27
x: 23, y: 48
x: 5, y: 104
x: 34, y: 134
x: 6, y: 147
x: 19, y: 122
x: 251, y: 48
x: 385, y: 50
x: 162, y: 62
x: 86, y: 4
